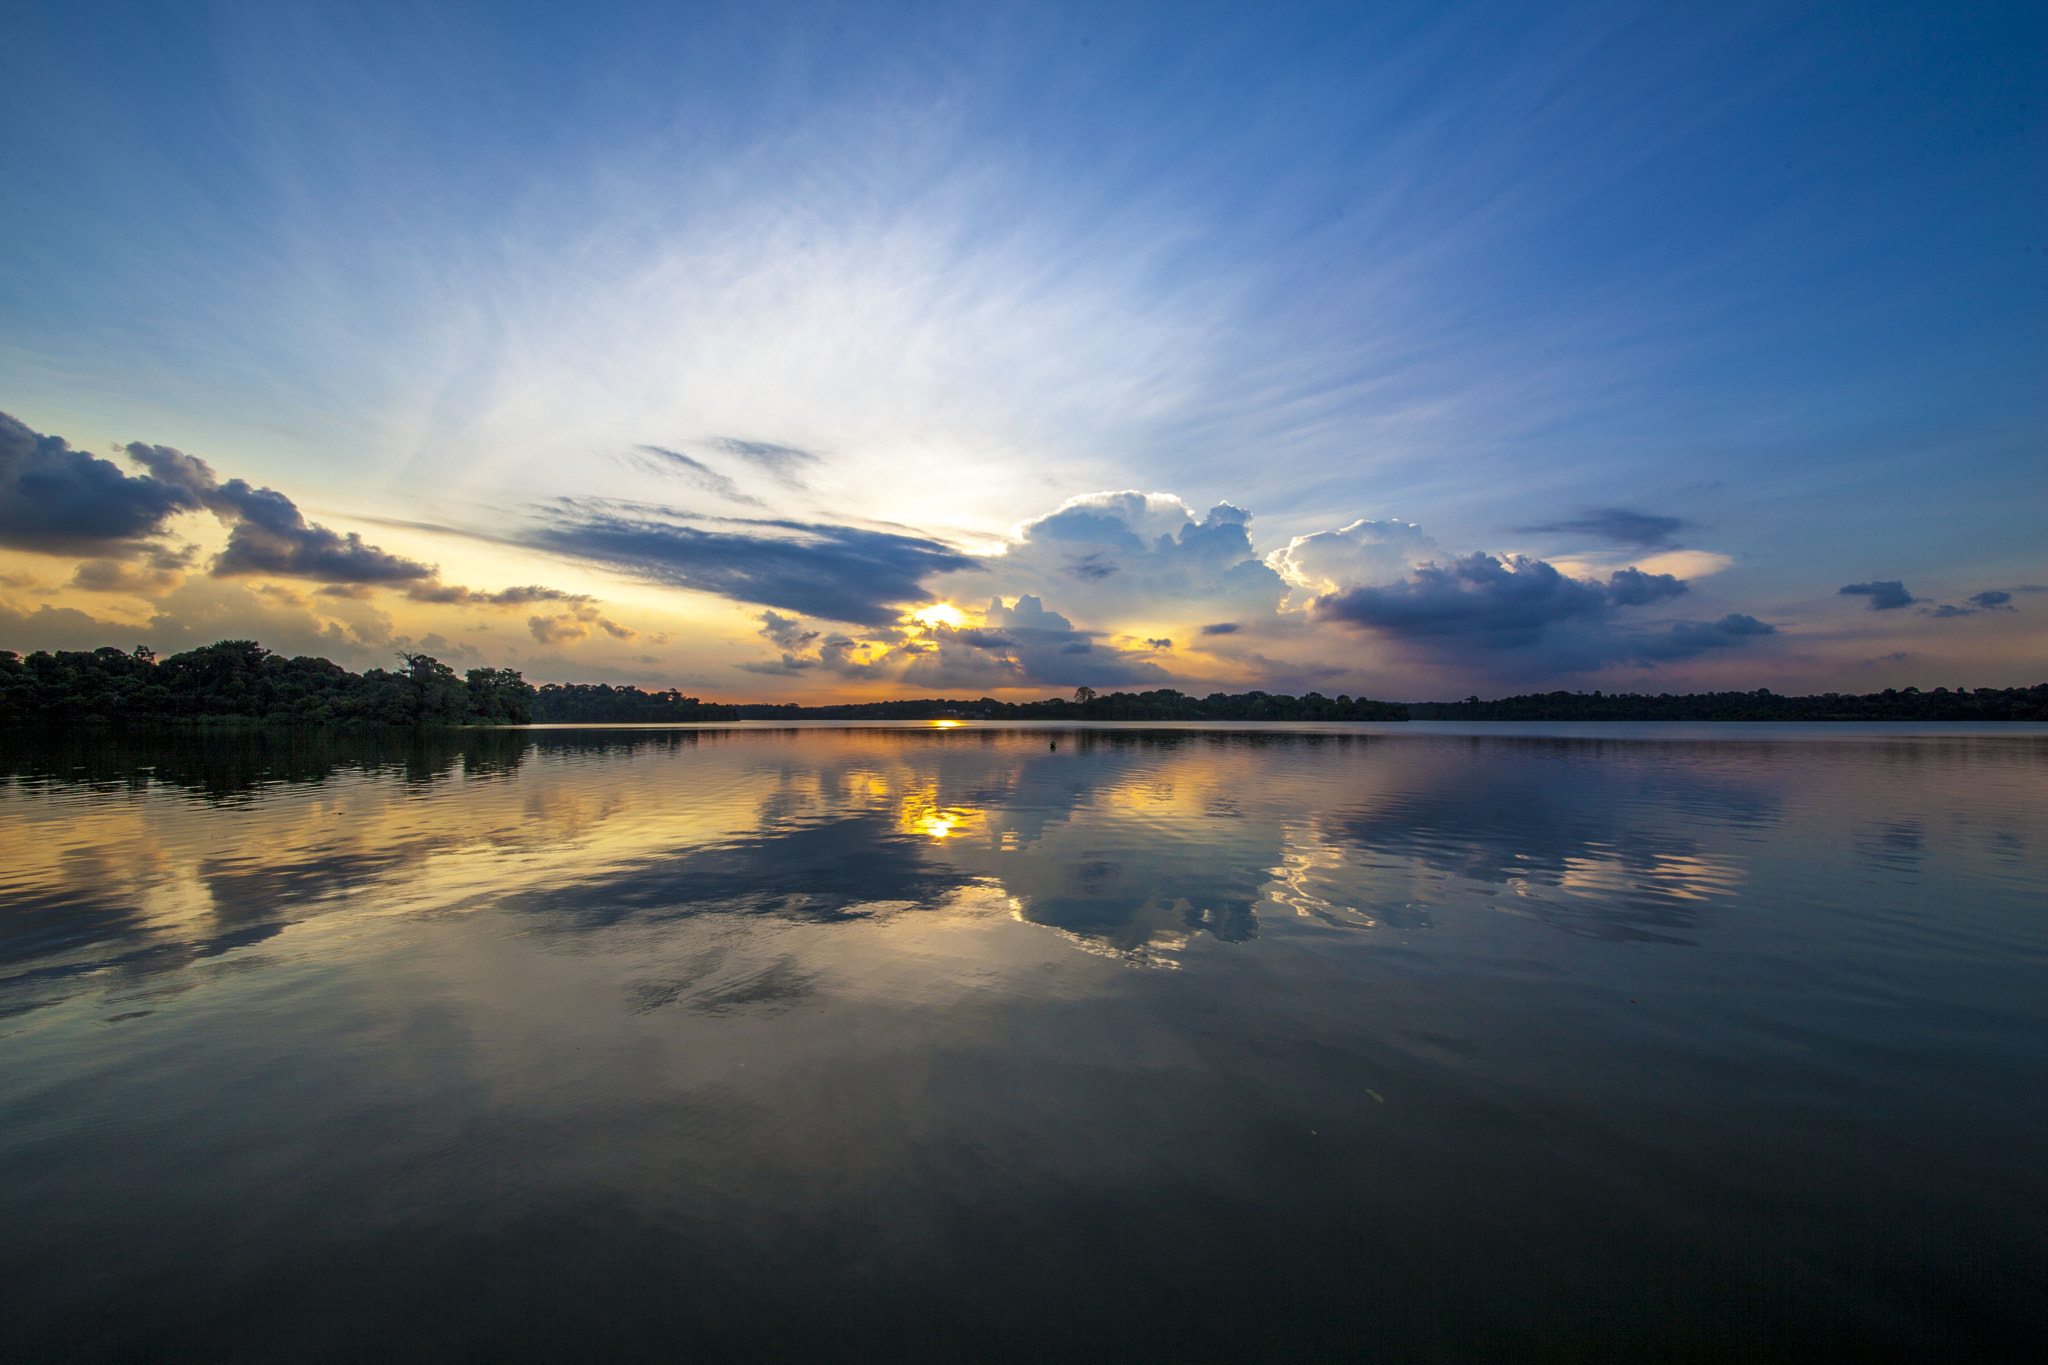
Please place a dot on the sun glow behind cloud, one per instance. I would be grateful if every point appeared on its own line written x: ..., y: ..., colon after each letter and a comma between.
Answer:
x: 944, y: 275
x: 943, y: 614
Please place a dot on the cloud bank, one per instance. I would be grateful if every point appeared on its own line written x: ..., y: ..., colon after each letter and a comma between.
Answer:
x: 837, y: 573
x: 56, y: 500
x: 1076, y: 597
x: 1479, y: 606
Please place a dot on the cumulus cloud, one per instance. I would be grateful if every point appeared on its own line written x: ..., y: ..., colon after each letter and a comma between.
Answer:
x: 154, y: 570
x: 575, y: 624
x: 1634, y: 588
x: 1022, y: 644
x: 1107, y: 557
x: 57, y: 500
x: 1884, y: 596
x: 1018, y: 644
x: 1099, y: 560
x: 788, y: 633
x: 1363, y: 552
x: 1498, y: 604
x: 1479, y: 605
x: 1619, y: 526
x: 836, y: 573
x: 204, y: 609
x: 551, y: 630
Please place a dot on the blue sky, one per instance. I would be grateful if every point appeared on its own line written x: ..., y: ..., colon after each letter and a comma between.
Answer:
x: 701, y: 316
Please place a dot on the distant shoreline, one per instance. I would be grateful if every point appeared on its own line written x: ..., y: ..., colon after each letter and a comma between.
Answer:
x: 238, y: 682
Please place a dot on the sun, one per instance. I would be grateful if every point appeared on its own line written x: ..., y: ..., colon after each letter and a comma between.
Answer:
x: 943, y: 614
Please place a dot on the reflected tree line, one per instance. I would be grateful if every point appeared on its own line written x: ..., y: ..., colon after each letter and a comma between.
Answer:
x: 232, y: 763
x: 226, y: 763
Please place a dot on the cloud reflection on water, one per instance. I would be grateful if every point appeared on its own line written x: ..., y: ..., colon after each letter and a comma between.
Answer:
x: 134, y: 857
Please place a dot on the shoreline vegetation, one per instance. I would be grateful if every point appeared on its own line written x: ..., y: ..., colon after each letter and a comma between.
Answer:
x: 239, y: 681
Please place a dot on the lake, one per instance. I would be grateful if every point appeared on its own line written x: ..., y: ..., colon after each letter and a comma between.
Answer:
x: 994, y: 1043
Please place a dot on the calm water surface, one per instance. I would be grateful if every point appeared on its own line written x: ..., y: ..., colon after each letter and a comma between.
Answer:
x: 986, y: 1043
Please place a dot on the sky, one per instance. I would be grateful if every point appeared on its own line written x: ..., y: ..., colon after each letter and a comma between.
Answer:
x: 808, y: 352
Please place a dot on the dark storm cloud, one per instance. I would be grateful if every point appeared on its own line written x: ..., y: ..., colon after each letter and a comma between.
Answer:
x: 1689, y: 639
x: 1634, y: 588
x: 58, y: 500
x: 1884, y: 596
x: 267, y: 532
x: 1481, y: 606
x: 674, y: 462
x: 1619, y: 526
x: 837, y: 573
x: 1496, y: 604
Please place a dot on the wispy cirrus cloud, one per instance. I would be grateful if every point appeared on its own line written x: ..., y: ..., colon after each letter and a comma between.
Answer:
x: 780, y: 462
x: 695, y: 471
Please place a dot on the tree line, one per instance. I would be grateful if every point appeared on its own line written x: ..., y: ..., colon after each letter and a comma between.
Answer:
x: 241, y: 680
x: 1088, y: 704
x: 1907, y: 703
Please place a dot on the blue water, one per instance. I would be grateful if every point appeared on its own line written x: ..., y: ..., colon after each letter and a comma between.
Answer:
x: 983, y: 1042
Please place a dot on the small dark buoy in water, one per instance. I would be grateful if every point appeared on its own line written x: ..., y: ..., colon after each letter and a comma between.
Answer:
x: 1054, y: 745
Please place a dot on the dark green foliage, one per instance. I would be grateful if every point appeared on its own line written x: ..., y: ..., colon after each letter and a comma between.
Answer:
x: 228, y: 764
x: 600, y: 702
x: 1986, y: 703
x: 239, y: 679
x: 499, y: 696
x: 1164, y: 704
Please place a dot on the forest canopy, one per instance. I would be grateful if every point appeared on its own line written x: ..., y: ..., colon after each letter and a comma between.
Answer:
x: 240, y: 679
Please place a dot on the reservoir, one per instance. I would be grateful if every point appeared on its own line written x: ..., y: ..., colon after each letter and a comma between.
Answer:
x: 989, y: 1042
